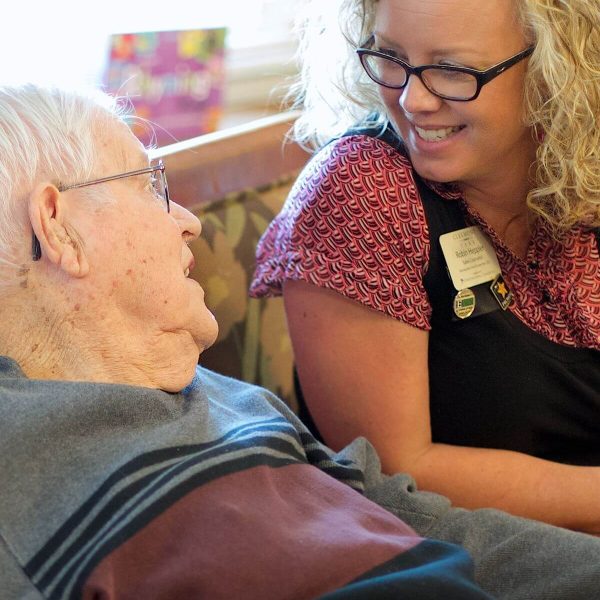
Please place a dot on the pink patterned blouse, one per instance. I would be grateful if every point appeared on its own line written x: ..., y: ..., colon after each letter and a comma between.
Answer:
x: 354, y: 223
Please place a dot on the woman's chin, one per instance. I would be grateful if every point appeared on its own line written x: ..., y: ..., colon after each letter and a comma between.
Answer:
x: 439, y: 173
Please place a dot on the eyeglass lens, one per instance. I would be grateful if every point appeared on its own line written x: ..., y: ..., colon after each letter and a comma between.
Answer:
x: 446, y: 82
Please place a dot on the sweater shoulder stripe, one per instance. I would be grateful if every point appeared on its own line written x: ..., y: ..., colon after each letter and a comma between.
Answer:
x: 145, y: 486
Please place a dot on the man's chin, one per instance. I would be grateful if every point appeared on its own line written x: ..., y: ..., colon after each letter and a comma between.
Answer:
x: 208, y: 335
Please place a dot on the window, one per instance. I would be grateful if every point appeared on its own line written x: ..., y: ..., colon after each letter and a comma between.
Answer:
x: 66, y: 42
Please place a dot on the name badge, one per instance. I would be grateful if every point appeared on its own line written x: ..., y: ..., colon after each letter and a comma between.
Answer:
x: 470, y: 257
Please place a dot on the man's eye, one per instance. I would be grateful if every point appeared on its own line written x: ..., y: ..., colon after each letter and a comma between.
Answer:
x: 151, y: 188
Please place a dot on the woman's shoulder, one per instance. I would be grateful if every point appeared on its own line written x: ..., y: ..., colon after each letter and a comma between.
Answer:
x: 368, y: 153
x: 353, y: 222
x: 362, y: 171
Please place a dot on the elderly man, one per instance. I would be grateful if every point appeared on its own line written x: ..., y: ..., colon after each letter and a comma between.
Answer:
x: 129, y: 472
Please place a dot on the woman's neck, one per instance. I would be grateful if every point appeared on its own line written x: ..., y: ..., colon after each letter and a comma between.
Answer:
x: 503, y: 206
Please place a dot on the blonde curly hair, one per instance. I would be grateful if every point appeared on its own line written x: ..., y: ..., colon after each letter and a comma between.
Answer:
x: 561, y: 103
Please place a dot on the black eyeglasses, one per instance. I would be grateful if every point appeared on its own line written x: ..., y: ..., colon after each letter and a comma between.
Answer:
x: 159, y: 186
x: 461, y: 84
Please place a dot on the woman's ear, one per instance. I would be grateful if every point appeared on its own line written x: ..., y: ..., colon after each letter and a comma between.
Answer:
x: 58, y: 240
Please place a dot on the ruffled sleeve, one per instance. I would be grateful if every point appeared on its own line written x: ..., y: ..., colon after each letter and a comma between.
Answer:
x: 353, y: 223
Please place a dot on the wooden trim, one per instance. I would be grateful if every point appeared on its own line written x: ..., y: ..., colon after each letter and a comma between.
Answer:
x: 211, y: 166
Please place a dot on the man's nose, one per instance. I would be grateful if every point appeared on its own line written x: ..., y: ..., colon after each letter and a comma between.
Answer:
x: 188, y: 223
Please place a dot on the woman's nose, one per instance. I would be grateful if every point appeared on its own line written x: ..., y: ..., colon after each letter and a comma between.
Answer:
x: 416, y: 98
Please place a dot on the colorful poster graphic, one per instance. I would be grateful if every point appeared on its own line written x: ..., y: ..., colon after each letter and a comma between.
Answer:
x: 174, y: 80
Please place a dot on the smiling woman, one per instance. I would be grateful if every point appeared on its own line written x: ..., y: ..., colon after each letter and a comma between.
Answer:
x: 439, y: 256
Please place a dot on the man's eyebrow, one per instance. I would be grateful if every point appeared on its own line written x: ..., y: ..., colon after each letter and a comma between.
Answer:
x: 139, y: 161
x: 132, y: 161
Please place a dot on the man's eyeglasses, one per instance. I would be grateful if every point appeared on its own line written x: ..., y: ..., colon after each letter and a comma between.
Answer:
x: 451, y: 83
x: 159, y: 185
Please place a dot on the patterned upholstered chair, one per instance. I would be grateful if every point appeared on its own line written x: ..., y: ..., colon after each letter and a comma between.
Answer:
x: 235, y: 181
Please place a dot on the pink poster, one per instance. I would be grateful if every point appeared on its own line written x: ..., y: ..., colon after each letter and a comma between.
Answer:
x: 174, y: 79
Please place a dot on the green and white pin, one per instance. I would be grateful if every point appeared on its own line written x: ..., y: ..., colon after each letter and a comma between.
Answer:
x: 464, y: 303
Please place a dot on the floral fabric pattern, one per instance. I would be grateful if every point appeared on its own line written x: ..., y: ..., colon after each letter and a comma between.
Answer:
x: 253, y: 343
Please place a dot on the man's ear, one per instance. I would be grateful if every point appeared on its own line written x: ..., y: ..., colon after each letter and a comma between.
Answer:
x: 58, y: 241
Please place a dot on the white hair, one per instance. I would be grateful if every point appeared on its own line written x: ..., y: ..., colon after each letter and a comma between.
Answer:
x: 45, y: 134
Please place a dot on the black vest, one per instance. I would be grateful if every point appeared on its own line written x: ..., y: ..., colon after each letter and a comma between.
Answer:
x: 495, y: 383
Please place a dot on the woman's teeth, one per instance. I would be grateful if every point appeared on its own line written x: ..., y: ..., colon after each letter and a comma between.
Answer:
x: 436, y: 135
x: 186, y: 272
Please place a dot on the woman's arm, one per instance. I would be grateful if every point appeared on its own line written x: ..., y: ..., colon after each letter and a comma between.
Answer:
x: 364, y: 373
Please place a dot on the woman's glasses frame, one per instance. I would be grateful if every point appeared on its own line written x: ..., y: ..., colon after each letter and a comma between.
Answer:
x: 481, y: 77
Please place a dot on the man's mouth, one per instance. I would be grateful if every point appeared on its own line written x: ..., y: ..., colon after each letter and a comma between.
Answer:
x: 437, y: 135
x: 190, y: 266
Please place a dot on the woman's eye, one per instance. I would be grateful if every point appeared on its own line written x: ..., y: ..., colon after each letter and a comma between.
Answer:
x: 457, y: 75
x: 388, y: 52
x: 451, y: 63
